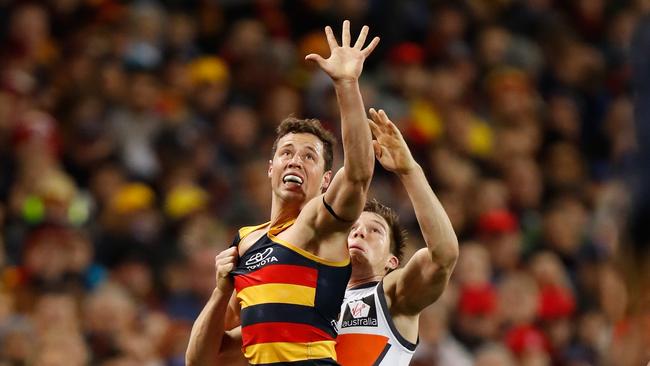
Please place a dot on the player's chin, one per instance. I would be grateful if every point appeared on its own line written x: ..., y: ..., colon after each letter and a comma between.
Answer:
x: 357, y: 255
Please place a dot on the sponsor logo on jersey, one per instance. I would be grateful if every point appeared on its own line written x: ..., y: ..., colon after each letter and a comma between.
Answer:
x: 360, y: 313
x: 260, y: 259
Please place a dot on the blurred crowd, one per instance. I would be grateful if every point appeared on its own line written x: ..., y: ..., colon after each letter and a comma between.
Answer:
x: 135, y: 139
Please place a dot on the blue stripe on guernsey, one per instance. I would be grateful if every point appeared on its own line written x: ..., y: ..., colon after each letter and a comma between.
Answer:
x: 275, y: 312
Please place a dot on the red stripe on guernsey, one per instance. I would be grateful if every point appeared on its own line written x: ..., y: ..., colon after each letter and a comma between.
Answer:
x: 278, y: 273
x: 282, y: 332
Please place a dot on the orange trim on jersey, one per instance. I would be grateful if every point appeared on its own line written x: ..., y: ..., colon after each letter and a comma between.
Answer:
x: 243, y: 232
x: 307, y: 254
x: 359, y: 349
x: 282, y: 332
x: 278, y: 273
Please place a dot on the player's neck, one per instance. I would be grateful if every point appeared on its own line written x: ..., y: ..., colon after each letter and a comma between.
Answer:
x: 360, y: 276
x: 282, y: 211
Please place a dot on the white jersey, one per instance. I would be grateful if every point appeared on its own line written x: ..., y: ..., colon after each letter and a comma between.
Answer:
x: 367, y: 335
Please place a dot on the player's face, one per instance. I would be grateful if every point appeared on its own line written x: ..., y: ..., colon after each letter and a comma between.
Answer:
x: 369, y: 241
x: 297, y: 170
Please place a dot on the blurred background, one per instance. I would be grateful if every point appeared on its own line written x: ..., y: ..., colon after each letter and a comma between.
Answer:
x: 135, y: 139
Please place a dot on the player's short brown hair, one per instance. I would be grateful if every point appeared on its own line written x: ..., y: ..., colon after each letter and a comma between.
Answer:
x: 312, y: 126
x: 397, y: 234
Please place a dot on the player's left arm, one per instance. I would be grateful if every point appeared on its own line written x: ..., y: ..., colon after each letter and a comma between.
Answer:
x: 425, y: 276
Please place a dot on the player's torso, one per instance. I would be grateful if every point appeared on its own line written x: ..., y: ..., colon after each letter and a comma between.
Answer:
x: 289, y: 302
x: 367, y: 335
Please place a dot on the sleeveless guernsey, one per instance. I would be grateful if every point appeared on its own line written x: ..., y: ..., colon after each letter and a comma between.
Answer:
x: 367, y: 335
x: 289, y: 301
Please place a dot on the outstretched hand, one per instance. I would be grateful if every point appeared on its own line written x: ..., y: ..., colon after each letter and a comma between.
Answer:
x: 345, y: 61
x: 390, y: 148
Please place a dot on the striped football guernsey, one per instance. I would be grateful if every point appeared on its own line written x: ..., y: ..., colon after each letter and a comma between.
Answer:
x: 290, y: 300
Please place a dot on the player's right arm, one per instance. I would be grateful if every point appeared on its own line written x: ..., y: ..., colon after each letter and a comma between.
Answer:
x: 346, y: 194
x: 209, y: 329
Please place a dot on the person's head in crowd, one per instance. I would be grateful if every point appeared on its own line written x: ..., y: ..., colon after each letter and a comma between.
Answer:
x: 29, y: 31
x: 56, y: 313
x: 563, y: 226
x: 434, y: 331
x: 556, y: 298
x: 518, y: 299
x: 494, y: 354
x: 56, y: 349
x: 564, y: 166
x: 107, y: 313
x: 136, y: 276
x: 493, y: 44
x: 247, y: 39
x: 36, y: 137
x: 452, y: 171
x: 613, y: 294
x: 450, y: 22
x: 619, y: 128
x: 132, y: 212
x: 407, y: 74
x: 490, y: 194
x: 254, y: 181
x: 237, y: 130
x: 89, y: 141
x: 444, y: 87
x: 144, y: 90
x: 454, y: 204
x: 473, y: 267
x: 18, y: 340
x: 280, y: 102
x: 511, y: 94
x: 210, y: 80
x: 185, y: 200
x: 105, y: 180
x: 563, y: 117
x: 56, y: 256
x: 113, y: 81
x: 525, y: 185
x: 523, y: 140
x: 202, y: 272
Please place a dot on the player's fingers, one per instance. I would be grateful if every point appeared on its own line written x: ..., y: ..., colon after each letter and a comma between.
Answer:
x: 368, y: 50
x: 377, y: 148
x: 373, y: 127
x: 226, y: 268
x: 345, y: 38
x: 316, y: 58
x: 362, y: 37
x: 331, y: 40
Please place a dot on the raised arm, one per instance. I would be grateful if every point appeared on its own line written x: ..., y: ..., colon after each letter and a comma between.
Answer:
x: 209, y: 329
x: 347, y: 192
x: 426, y: 274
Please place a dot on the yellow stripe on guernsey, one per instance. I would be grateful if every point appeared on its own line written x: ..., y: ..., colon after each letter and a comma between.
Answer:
x: 277, y: 293
x: 287, y: 352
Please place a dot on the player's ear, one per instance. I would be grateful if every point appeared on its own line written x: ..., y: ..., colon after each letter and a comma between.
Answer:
x: 392, y: 263
x: 327, y: 179
x: 268, y: 173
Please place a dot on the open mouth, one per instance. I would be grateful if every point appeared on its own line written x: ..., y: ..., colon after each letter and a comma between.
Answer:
x: 291, y: 178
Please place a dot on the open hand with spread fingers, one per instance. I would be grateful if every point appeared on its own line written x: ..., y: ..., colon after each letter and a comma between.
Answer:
x: 225, y: 262
x: 390, y: 148
x: 345, y: 62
